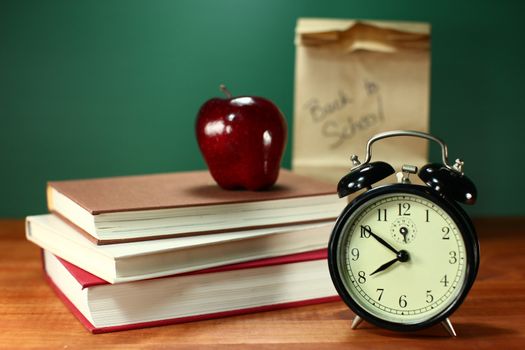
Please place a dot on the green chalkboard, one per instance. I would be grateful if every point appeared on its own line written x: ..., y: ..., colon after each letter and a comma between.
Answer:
x: 103, y: 88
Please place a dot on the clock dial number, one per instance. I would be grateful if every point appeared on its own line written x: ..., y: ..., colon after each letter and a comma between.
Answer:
x: 444, y: 280
x: 453, y: 257
x: 403, y: 301
x: 403, y: 209
x: 427, y: 215
x: 355, y: 254
x: 381, y: 214
x: 430, y: 297
x: 361, y: 277
x: 446, y: 231
x: 380, y: 291
x: 365, y: 231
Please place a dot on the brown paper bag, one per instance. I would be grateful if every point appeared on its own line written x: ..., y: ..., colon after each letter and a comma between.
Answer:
x: 354, y: 79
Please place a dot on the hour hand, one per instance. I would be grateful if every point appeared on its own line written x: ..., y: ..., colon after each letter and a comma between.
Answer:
x: 384, y: 266
x: 402, y: 256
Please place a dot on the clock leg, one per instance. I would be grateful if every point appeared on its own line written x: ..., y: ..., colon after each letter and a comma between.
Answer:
x: 448, y: 326
x: 356, y: 322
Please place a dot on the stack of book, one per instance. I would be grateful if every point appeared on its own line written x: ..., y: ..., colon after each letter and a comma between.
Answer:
x: 138, y: 251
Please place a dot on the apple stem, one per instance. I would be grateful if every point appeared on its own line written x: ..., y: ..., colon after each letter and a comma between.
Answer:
x: 225, y: 90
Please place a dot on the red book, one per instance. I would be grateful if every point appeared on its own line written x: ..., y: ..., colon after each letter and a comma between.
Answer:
x: 261, y: 285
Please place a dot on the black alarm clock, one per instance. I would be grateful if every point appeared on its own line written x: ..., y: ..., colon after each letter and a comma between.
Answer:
x: 404, y: 256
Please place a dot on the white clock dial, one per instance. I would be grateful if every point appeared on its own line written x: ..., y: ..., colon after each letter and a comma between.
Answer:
x: 423, y: 278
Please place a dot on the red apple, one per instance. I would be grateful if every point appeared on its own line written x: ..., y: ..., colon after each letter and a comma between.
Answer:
x: 242, y: 140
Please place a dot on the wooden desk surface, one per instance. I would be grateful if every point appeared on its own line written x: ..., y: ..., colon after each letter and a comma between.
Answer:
x: 492, y: 317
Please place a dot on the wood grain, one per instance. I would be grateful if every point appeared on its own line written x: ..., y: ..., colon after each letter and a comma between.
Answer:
x: 32, y: 317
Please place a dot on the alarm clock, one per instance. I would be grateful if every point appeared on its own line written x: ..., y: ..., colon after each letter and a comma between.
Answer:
x: 404, y: 256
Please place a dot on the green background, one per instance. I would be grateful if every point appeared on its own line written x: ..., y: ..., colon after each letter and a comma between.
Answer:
x: 102, y: 88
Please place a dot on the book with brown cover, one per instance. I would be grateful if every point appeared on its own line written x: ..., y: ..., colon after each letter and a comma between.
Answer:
x: 134, y: 208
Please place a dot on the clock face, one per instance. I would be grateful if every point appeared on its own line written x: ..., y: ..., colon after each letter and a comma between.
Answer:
x: 402, y: 258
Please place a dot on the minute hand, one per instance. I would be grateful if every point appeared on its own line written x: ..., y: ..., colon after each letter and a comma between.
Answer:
x: 379, y: 239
